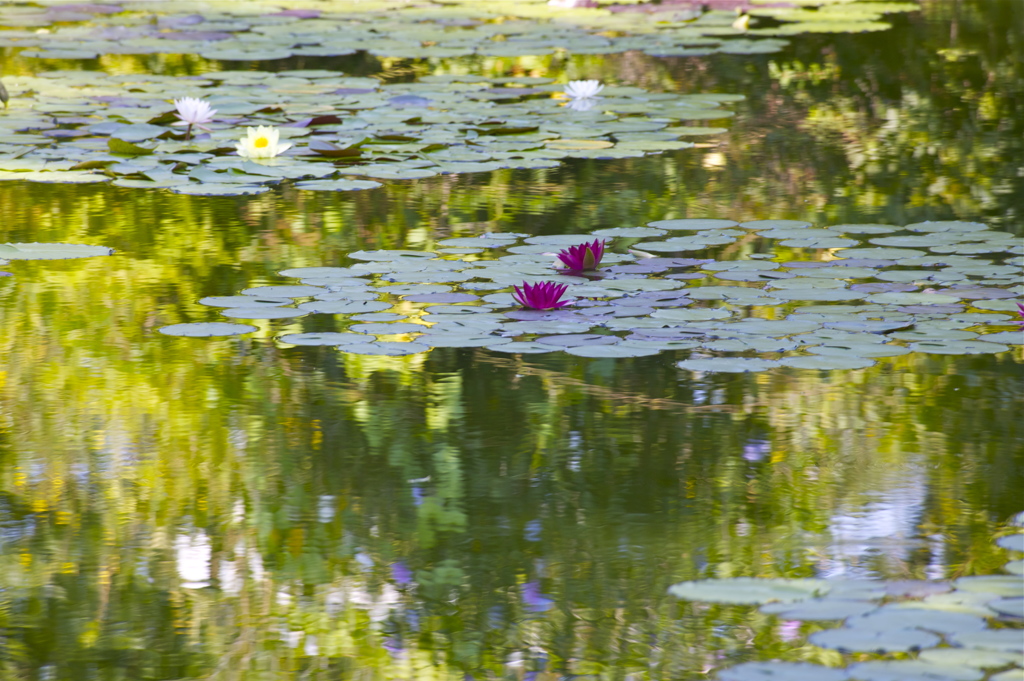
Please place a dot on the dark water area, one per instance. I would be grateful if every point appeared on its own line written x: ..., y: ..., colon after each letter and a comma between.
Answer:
x: 177, y: 508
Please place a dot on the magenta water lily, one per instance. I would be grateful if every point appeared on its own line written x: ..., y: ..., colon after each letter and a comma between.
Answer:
x: 543, y: 295
x: 582, y: 257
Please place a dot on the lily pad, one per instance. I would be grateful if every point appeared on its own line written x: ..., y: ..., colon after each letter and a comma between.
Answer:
x: 206, y: 329
x: 34, y: 251
x: 874, y: 641
x: 912, y: 670
x: 749, y: 590
x: 781, y: 671
x: 324, y: 338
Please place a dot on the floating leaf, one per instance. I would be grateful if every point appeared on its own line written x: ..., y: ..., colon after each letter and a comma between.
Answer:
x: 912, y: 670
x: 324, y: 338
x: 206, y: 329
x: 781, y: 671
x: 749, y: 590
x: 874, y: 641
x: 24, y: 251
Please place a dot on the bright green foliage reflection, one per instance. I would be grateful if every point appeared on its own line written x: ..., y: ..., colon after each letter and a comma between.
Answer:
x: 229, y: 508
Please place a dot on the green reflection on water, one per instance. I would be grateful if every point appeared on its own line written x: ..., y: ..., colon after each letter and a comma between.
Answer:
x: 227, y: 509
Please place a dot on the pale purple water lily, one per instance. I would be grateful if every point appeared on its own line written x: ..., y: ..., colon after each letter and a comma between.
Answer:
x: 1020, y: 307
x: 193, y: 112
x: 582, y: 257
x: 543, y: 295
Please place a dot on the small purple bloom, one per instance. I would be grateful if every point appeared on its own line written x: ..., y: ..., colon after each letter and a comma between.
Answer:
x: 534, y: 600
x: 541, y: 296
x: 1020, y: 307
x: 582, y: 257
x: 401, y: 573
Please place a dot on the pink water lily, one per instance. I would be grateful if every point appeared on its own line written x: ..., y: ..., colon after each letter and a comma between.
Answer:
x: 582, y: 257
x: 543, y: 295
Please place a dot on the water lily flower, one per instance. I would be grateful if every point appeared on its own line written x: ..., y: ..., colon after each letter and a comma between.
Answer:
x: 261, y: 142
x: 1020, y: 307
x: 541, y: 296
x: 582, y: 257
x: 583, y: 89
x: 193, y: 111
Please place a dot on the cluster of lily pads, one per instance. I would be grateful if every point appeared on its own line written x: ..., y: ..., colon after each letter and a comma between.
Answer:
x: 259, y: 30
x: 965, y: 630
x: 864, y: 292
x: 76, y: 126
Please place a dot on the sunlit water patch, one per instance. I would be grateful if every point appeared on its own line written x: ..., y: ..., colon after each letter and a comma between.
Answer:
x: 838, y: 297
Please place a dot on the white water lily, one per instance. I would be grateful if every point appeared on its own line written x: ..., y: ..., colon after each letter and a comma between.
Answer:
x: 193, y: 111
x: 261, y: 142
x: 583, y: 89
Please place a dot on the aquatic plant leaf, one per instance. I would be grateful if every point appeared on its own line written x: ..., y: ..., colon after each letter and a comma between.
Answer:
x: 888, y: 617
x: 827, y: 362
x: 383, y: 348
x: 35, y: 251
x: 954, y: 347
x: 206, y: 329
x: 781, y: 671
x: 999, y: 585
x: 874, y: 641
x: 967, y: 657
x: 263, y: 312
x: 1005, y: 640
x: 324, y: 338
x: 749, y: 590
x: 284, y: 291
x: 912, y: 670
x: 819, y: 609
x: 1013, y: 542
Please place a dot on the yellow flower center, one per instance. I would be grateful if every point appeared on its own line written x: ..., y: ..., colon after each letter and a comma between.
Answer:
x: 261, y: 142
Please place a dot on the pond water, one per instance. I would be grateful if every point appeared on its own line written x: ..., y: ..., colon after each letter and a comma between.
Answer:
x: 241, y: 508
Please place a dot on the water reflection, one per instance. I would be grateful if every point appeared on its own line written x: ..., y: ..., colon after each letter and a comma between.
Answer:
x: 228, y: 509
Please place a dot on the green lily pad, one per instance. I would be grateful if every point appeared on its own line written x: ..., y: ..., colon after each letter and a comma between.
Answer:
x: 912, y: 670
x: 781, y: 671
x: 383, y: 348
x: 206, y: 329
x: 999, y: 585
x: 460, y: 340
x: 749, y: 590
x: 827, y: 362
x: 874, y: 641
x: 889, y: 617
x: 344, y: 185
x: 345, y: 306
x: 263, y: 312
x: 968, y: 657
x: 692, y: 224
x: 24, y: 251
x: 1013, y: 542
x: 819, y: 609
x: 610, y: 351
x: 1005, y: 640
x: 284, y: 291
x: 1009, y: 607
x: 954, y: 347
x: 525, y: 348
x: 324, y: 338
x: 728, y: 364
